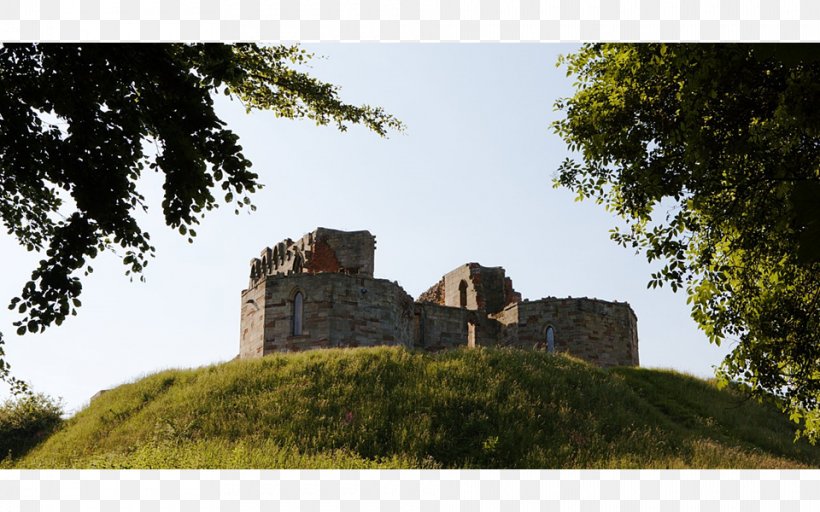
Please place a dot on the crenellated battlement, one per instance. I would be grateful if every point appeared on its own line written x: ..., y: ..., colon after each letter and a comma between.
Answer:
x: 322, y: 250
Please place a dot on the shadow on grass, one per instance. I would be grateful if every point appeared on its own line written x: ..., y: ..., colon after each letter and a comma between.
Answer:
x: 700, y: 411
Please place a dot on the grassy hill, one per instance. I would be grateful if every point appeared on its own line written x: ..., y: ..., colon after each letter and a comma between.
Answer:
x: 388, y: 407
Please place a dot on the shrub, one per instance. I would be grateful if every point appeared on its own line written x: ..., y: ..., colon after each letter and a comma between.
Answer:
x: 25, y: 421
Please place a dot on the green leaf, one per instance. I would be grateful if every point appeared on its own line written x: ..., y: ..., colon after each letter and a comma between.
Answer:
x: 119, y: 110
x: 710, y: 154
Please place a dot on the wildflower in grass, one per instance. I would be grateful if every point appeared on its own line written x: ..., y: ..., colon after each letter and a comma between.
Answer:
x: 348, y: 419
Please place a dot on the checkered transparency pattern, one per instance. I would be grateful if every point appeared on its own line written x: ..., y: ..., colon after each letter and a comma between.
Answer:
x: 410, y: 20
x: 341, y: 490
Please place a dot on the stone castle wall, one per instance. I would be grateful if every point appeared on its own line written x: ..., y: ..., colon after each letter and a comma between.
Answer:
x: 339, y: 310
x: 441, y: 327
x: 602, y: 332
x: 345, y: 306
x: 487, y: 289
x: 352, y: 311
x: 438, y: 327
x: 347, y: 252
x: 322, y: 250
x: 252, y: 321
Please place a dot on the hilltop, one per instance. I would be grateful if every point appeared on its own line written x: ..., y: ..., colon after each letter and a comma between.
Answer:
x: 389, y: 407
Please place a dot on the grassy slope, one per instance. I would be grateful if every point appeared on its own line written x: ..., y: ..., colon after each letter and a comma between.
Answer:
x: 388, y: 407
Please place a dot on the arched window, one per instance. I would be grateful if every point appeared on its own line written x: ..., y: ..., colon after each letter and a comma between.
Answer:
x: 462, y: 293
x: 550, y: 339
x: 297, y: 313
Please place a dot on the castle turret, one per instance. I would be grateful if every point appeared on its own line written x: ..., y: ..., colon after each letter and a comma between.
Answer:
x: 322, y: 250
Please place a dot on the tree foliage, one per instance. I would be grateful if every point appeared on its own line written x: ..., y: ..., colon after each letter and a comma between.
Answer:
x: 76, y: 127
x: 711, y: 155
x: 25, y: 421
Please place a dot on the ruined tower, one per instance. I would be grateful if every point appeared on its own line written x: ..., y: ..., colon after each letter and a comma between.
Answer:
x: 320, y: 291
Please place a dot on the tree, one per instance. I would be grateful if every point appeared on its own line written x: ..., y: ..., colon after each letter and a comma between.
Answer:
x: 73, y: 123
x: 711, y: 155
x: 25, y: 421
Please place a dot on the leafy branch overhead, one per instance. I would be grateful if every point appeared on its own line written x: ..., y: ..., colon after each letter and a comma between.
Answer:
x: 711, y: 154
x: 74, y: 122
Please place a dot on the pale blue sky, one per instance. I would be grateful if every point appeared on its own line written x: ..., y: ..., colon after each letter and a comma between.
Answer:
x: 470, y: 180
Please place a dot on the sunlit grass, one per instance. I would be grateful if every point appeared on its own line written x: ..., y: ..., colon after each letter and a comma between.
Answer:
x: 389, y: 407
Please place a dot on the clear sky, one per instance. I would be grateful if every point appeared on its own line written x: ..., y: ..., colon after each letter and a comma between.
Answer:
x: 469, y: 180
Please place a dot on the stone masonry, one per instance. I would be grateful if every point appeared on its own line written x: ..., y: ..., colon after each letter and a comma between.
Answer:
x: 319, y: 291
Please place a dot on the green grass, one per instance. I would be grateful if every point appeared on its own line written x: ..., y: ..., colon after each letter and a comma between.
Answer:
x: 391, y: 408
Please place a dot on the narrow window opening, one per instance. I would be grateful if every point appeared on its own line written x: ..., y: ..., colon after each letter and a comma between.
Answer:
x: 550, y: 339
x: 297, y: 314
x: 462, y: 293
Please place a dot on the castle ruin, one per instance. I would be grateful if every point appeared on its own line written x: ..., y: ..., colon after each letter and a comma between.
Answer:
x: 319, y: 292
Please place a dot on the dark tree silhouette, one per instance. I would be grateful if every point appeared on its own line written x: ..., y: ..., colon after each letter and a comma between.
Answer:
x: 73, y: 122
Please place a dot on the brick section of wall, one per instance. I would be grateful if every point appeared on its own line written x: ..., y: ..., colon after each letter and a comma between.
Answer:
x: 510, y: 295
x: 490, y: 284
x: 322, y: 250
x: 604, y: 333
x: 354, y: 250
x: 322, y: 258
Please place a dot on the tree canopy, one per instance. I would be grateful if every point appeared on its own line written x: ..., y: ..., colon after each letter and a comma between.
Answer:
x: 711, y: 155
x: 74, y: 122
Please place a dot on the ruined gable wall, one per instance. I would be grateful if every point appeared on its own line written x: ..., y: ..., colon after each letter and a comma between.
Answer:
x: 510, y: 295
x: 494, y: 288
x: 488, y: 289
x: 604, y: 333
x: 452, y: 290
